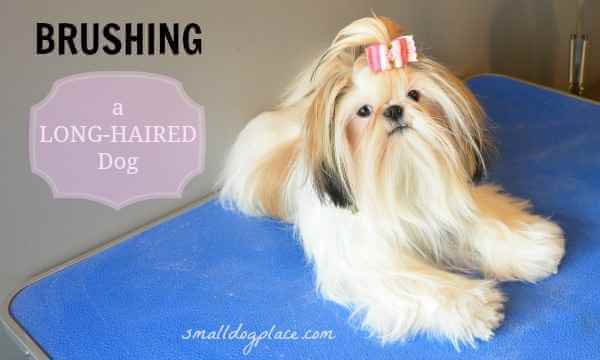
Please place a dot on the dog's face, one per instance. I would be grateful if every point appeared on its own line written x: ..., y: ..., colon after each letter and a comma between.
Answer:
x: 402, y: 141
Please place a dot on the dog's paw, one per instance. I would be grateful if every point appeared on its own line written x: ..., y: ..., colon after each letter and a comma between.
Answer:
x: 470, y: 313
x: 536, y: 251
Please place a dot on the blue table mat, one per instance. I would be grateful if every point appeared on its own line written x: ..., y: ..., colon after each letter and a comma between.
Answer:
x: 209, y: 268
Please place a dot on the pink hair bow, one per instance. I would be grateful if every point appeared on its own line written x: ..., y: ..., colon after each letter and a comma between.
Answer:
x: 396, y: 54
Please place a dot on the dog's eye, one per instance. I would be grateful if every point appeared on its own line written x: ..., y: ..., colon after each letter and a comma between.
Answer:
x: 414, y: 94
x: 364, y: 111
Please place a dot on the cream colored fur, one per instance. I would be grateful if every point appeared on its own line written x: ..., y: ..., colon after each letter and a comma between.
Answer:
x: 409, y: 220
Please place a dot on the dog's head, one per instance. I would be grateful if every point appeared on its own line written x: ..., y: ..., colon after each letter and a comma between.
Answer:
x: 409, y: 135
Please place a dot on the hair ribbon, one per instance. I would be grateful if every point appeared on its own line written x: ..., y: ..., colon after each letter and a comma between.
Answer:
x: 396, y: 54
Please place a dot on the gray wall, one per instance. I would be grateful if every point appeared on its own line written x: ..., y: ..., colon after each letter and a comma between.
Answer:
x: 251, y: 51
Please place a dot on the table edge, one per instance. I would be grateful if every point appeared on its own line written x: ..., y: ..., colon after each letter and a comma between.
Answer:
x: 32, y: 349
x: 17, y: 332
x: 527, y: 82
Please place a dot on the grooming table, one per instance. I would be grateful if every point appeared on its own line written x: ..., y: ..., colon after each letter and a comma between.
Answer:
x: 205, y: 267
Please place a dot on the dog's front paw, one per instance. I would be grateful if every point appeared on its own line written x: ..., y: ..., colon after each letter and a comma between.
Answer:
x: 535, y: 252
x: 470, y: 313
x: 542, y: 251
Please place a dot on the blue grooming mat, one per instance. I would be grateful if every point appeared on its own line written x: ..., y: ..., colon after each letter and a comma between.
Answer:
x: 211, y: 270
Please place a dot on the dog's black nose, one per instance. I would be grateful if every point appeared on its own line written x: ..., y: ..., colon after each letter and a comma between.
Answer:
x: 394, y: 113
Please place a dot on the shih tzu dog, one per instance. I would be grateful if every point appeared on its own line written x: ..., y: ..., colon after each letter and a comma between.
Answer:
x: 373, y: 155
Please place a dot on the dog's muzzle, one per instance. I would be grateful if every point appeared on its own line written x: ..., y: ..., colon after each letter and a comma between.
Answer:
x: 394, y: 114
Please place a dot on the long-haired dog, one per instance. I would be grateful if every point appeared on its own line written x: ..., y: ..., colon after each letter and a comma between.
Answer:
x: 376, y: 169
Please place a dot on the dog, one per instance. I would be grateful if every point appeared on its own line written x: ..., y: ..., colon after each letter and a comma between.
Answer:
x: 374, y: 155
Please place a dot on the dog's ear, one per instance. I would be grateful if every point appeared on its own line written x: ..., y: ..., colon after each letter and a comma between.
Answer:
x: 472, y: 138
x: 461, y: 114
x: 479, y: 168
x: 325, y: 143
x: 479, y: 147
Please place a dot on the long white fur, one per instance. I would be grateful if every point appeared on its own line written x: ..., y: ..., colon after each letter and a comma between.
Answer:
x: 418, y: 218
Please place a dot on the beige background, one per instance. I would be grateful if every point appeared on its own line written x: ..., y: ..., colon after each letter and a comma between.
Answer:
x: 251, y: 51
